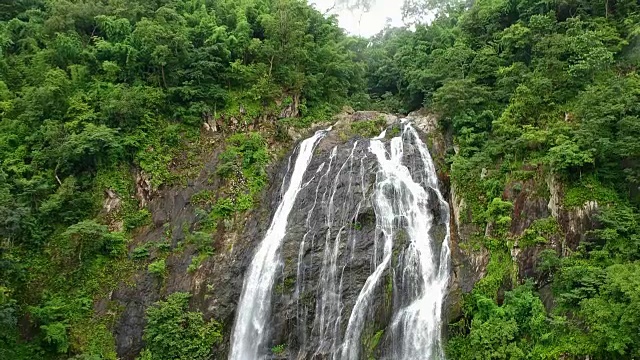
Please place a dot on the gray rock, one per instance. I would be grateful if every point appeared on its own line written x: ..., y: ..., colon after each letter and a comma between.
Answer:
x: 334, y: 213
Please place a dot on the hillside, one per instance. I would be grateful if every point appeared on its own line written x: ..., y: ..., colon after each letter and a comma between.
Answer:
x: 145, y: 147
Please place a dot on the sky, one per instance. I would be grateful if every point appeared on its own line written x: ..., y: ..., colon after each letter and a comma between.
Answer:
x: 367, y: 24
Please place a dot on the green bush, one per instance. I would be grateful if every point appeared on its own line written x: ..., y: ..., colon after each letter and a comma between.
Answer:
x: 158, y: 268
x: 589, y: 189
x: 510, y: 331
x: 173, y: 332
x: 137, y: 219
x: 279, y: 349
x: 55, y: 334
x: 140, y: 253
x: 203, y: 198
x: 499, y: 212
x: 540, y: 232
x: 223, y: 208
x: 88, y: 239
x: 369, y: 128
x: 196, y: 261
x: 243, y: 162
x: 163, y: 246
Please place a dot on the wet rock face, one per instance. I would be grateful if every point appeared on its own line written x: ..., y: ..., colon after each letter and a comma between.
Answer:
x: 332, y: 227
x: 215, y: 285
x: 330, y: 249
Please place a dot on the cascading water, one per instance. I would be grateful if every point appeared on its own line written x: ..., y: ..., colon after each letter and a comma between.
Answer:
x: 401, y: 206
x: 336, y: 293
x: 424, y: 272
x: 255, y: 302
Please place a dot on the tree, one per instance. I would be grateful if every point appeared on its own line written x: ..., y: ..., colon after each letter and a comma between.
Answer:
x: 88, y: 239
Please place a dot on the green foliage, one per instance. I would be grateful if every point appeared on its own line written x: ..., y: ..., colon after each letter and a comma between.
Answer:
x: 158, y: 268
x: 499, y: 212
x: 94, y: 340
x: 588, y: 189
x: 196, y: 261
x: 91, y: 91
x: 203, y: 243
x: 279, y: 349
x: 55, y: 334
x: 55, y: 316
x: 88, y: 239
x: 515, y: 330
x: 8, y: 318
x: 567, y: 155
x: 203, y: 198
x: 174, y: 332
x: 243, y: 166
x: 369, y: 128
x: 548, y: 261
x: 499, y: 271
x: 137, y: 219
x: 244, y: 153
x: 140, y: 253
x: 539, y: 232
x: 394, y: 131
x: 373, y: 345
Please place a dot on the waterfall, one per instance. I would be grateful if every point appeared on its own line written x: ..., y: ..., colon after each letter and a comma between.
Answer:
x: 255, y: 302
x: 396, y: 181
x: 425, y: 273
x: 402, y: 207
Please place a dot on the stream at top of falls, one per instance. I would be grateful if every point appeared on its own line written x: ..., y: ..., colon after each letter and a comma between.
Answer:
x: 403, y: 247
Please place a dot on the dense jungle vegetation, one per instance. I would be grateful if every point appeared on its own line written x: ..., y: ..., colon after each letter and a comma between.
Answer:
x: 530, y: 89
x: 90, y: 89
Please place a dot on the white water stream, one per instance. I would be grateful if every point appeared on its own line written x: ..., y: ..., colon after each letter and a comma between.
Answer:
x: 417, y: 326
x: 402, y: 209
x: 404, y: 197
x: 254, y: 308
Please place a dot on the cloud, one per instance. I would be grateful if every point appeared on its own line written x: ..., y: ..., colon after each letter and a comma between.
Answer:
x: 358, y: 22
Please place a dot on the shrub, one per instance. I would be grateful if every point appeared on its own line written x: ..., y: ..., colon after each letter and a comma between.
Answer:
x: 158, y: 268
x: 137, y: 219
x: 499, y: 211
x: 279, y: 349
x: 369, y: 128
x: 140, y: 253
x: 88, y: 239
x: 539, y: 232
x: 173, y: 332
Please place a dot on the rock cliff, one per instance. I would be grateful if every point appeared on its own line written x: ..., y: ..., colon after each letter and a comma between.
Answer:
x: 330, y: 248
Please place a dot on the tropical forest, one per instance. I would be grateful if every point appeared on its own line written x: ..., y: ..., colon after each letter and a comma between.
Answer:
x: 247, y: 180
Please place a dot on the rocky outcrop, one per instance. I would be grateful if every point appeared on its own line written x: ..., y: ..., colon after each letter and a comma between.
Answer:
x: 111, y: 205
x: 575, y: 222
x: 331, y: 239
x: 333, y: 214
x: 292, y: 109
x: 144, y: 190
x: 215, y: 284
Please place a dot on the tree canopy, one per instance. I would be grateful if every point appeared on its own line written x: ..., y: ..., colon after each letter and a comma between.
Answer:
x: 529, y: 89
x: 91, y: 89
